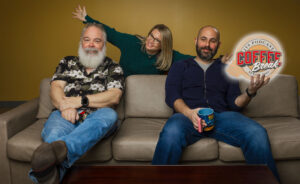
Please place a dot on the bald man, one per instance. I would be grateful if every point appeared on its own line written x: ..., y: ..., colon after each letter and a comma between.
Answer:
x: 201, y: 82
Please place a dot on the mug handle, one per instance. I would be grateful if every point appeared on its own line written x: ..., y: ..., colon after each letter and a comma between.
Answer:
x: 199, y: 126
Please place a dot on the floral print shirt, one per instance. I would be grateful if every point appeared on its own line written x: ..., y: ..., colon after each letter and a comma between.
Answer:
x: 106, y: 76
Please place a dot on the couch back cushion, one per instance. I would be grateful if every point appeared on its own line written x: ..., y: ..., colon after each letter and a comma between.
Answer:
x: 145, y: 97
x: 278, y: 98
x: 46, y: 107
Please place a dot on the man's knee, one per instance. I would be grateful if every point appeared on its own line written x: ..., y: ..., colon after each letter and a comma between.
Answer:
x: 258, y: 136
x: 50, y: 136
x: 173, y: 131
x: 55, y: 115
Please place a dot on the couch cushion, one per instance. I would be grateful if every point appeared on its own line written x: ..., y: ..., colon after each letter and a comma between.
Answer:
x: 230, y: 153
x: 145, y: 97
x: 278, y: 98
x: 101, y: 152
x: 284, y: 137
x: 21, y: 146
x: 46, y: 107
x: 137, y: 139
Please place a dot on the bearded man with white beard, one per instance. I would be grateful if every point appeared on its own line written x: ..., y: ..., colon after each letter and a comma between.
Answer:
x: 83, y: 90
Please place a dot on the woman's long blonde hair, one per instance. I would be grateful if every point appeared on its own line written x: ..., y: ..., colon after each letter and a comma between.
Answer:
x: 164, y: 58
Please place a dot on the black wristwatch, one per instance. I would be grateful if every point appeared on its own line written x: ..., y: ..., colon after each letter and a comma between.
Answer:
x: 250, y: 95
x: 84, y: 101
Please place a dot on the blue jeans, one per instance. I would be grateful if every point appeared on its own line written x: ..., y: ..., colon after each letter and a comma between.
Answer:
x: 79, y: 137
x: 231, y: 127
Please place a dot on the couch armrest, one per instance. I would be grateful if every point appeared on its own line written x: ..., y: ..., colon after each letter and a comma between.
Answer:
x: 12, y: 122
x: 18, y: 118
x: 299, y: 107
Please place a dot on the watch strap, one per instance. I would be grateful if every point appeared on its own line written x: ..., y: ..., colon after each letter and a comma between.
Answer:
x: 250, y: 95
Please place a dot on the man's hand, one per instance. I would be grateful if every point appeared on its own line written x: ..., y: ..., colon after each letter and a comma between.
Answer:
x: 226, y: 58
x: 70, y: 102
x: 257, y: 82
x: 192, y: 114
x: 80, y: 13
x: 70, y: 114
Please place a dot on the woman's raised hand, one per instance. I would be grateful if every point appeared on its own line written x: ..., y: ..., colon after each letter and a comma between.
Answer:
x: 80, y: 13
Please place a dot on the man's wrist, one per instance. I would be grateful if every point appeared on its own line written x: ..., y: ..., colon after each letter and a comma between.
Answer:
x: 187, y: 112
x: 250, y: 93
x: 61, y: 106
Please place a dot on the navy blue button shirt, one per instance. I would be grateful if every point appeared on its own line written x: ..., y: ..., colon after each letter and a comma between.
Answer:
x: 186, y: 80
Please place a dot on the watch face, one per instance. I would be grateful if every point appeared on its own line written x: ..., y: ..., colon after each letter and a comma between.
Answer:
x: 85, y: 101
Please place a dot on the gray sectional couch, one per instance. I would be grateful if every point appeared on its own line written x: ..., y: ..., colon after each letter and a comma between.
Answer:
x: 142, y: 114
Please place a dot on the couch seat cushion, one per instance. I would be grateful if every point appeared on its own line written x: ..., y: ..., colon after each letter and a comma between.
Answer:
x: 284, y: 138
x: 21, y: 146
x: 137, y: 139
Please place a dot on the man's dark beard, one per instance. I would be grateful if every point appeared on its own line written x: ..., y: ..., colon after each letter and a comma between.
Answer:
x: 209, y: 56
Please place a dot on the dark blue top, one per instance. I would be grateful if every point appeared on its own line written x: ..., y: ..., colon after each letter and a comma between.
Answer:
x: 187, y: 80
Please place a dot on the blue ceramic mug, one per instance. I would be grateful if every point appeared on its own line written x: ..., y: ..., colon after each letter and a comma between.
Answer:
x: 207, y: 114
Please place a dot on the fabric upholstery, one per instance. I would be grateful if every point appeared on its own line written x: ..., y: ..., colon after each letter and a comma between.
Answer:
x: 284, y: 138
x: 45, y: 104
x: 145, y: 97
x: 137, y: 138
x: 11, y: 123
x: 278, y: 98
x: 275, y: 107
x: 21, y: 146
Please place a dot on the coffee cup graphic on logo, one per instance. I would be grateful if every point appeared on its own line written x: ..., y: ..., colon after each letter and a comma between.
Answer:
x: 207, y: 114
